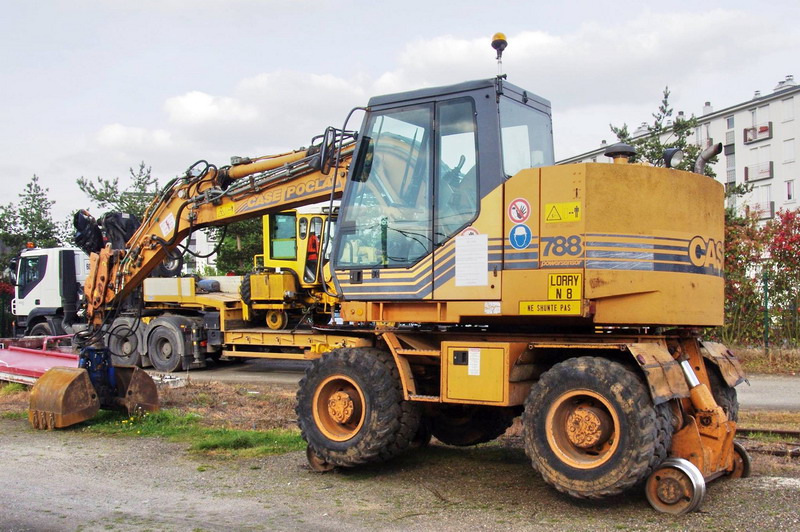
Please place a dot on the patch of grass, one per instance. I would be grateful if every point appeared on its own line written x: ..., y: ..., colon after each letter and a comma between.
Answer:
x: 14, y: 415
x: 187, y: 428
x: 12, y: 388
x: 250, y: 443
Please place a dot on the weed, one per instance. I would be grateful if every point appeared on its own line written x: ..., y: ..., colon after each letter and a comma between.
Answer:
x: 174, y: 426
x: 12, y: 388
x: 14, y: 415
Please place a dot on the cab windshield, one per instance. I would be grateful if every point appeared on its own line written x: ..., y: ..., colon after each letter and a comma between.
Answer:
x: 389, y: 217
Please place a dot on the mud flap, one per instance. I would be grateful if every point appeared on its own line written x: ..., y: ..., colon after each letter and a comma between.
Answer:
x: 62, y: 397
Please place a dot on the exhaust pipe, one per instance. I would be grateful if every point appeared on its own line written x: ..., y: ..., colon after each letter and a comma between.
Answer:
x: 705, y: 156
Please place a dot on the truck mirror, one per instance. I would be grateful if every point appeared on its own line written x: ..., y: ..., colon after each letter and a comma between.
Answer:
x: 327, y: 151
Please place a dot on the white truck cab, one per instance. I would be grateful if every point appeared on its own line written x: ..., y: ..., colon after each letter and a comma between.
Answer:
x: 49, y: 285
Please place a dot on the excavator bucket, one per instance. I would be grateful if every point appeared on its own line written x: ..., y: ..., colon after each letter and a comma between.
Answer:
x: 137, y: 392
x: 62, y: 397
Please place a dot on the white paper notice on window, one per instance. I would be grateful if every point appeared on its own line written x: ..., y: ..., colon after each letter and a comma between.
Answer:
x: 474, y: 358
x: 167, y: 225
x: 472, y: 260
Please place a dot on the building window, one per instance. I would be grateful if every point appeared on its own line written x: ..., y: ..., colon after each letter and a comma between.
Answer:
x: 790, y: 190
x: 788, y: 151
x: 788, y: 109
x: 729, y: 122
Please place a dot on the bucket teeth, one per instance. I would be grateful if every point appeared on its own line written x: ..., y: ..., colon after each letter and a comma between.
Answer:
x: 65, y: 396
x: 62, y: 397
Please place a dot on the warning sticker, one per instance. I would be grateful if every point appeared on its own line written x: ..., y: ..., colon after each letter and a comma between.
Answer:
x: 540, y: 308
x: 562, y: 212
x: 519, y: 210
x: 223, y: 211
x: 564, y: 286
x: 167, y: 225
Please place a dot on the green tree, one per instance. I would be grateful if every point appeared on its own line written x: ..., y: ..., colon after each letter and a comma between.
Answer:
x: 242, y: 241
x: 662, y: 135
x: 28, y: 220
x: 134, y: 199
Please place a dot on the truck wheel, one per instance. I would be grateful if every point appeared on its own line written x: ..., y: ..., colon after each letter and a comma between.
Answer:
x: 166, y: 347
x: 464, y: 425
x: 125, y: 340
x: 350, y: 408
x: 724, y: 395
x: 590, y: 427
x: 277, y: 319
x: 41, y: 329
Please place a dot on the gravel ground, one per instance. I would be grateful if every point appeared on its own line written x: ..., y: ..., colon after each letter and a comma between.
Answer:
x: 71, y: 480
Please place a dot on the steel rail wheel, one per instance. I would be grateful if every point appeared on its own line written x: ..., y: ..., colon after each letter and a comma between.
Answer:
x: 351, y: 410
x: 590, y: 428
x: 741, y: 462
x: 676, y: 487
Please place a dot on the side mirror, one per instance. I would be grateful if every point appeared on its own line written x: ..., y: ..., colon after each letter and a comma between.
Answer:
x: 327, y: 151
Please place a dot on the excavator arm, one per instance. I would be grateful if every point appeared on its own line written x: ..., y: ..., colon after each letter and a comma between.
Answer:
x: 209, y: 196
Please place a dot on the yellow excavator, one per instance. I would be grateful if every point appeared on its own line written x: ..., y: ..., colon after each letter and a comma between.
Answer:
x: 490, y: 283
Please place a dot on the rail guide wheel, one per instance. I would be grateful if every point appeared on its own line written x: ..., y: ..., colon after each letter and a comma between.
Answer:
x: 676, y: 487
x: 316, y: 462
x: 741, y: 462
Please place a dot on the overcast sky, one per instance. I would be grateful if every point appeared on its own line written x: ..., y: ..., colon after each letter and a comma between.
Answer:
x: 91, y: 88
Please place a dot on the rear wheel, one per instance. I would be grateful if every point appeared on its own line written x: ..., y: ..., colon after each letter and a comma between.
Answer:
x: 125, y: 341
x: 464, y: 425
x: 350, y: 408
x: 166, y: 347
x: 41, y: 329
x: 590, y: 428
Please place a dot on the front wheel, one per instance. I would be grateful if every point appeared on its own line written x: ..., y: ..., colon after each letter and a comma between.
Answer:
x: 590, y: 428
x: 350, y: 408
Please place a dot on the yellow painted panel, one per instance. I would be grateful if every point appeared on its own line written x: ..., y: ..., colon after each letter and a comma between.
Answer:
x: 476, y: 373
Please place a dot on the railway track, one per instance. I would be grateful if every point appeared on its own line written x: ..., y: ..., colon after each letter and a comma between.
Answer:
x: 788, y: 445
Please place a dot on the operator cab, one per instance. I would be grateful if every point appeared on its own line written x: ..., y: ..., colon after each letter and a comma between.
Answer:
x: 425, y: 162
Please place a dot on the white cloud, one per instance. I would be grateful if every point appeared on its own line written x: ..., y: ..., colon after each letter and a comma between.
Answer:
x: 198, y: 108
x: 118, y: 136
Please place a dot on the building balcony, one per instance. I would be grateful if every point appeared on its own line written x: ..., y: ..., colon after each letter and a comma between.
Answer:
x: 757, y: 172
x: 757, y: 133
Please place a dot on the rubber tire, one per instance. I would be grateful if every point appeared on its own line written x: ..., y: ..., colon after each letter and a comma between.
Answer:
x: 244, y: 289
x: 159, y: 335
x: 390, y: 423
x: 465, y: 425
x: 171, y: 266
x: 724, y: 395
x: 624, y: 390
x: 120, y: 335
x: 41, y: 329
x: 664, y: 432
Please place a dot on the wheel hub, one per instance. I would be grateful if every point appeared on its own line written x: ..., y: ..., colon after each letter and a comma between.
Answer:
x: 587, y: 426
x: 340, y: 407
x: 669, y: 490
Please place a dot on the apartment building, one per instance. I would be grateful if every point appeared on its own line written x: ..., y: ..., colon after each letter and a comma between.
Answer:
x: 761, y: 143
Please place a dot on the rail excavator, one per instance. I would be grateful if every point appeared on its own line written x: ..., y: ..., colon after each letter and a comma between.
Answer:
x: 490, y: 284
